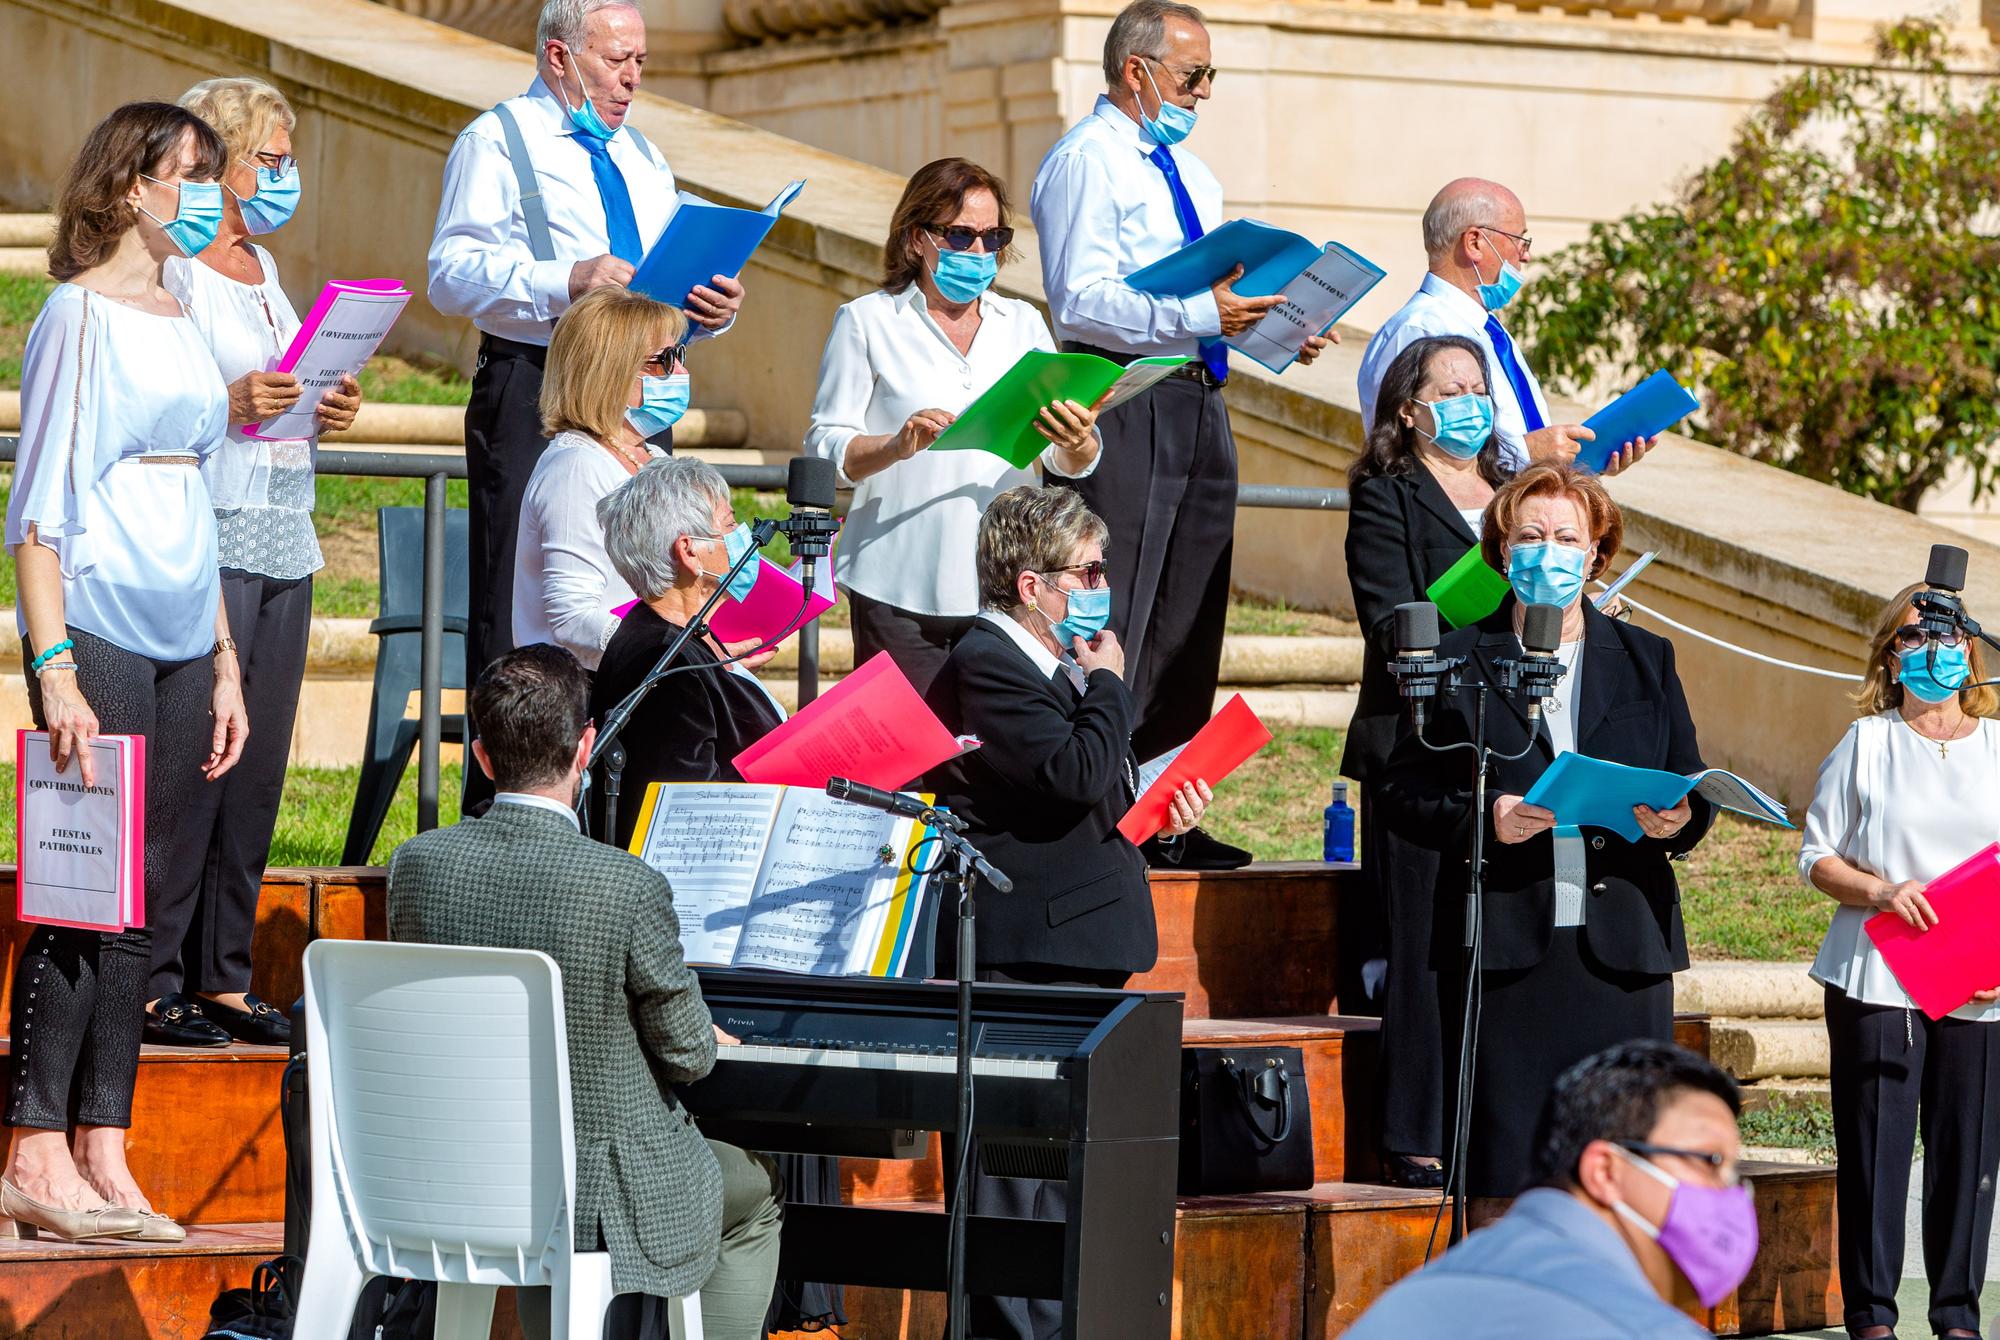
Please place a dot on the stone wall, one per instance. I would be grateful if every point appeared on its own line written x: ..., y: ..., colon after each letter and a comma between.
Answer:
x: 1747, y: 552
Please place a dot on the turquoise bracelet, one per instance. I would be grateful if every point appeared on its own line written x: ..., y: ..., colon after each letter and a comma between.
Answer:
x: 67, y: 644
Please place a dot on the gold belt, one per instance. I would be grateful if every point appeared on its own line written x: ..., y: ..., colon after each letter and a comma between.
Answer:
x: 169, y: 460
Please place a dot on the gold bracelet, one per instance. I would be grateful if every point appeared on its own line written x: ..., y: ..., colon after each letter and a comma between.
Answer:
x: 227, y: 644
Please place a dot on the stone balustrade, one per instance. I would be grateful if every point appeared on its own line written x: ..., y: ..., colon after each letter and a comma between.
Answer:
x: 766, y: 20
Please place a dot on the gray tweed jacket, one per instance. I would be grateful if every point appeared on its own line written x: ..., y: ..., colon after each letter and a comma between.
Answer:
x: 522, y: 877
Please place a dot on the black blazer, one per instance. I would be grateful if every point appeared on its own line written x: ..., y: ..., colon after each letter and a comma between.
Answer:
x: 1403, y: 533
x: 690, y: 726
x: 1042, y: 797
x: 1633, y: 711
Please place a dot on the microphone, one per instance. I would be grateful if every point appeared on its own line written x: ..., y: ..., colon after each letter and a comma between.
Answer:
x: 809, y: 489
x: 1417, y: 667
x: 1939, y: 610
x: 1538, y: 671
x: 891, y: 802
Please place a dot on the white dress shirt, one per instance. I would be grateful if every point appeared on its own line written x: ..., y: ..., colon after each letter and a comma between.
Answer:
x: 911, y: 531
x: 480, y: 263
x: 564, y: 585
x: 1888, y: 803
x: 1439, y: 308
x: 1046, y: 661
x: 136, y: 542
x: 535, y: 802
x: 1103, y: 209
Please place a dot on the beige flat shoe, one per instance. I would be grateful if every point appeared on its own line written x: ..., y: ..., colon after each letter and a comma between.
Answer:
x: 156, y: 1228
x: 24, y: 1217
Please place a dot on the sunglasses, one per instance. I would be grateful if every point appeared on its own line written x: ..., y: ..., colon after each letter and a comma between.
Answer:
x: 1526, y: 243
x: 957, y: 238
x: 1912, y: 638
x: 662, y: 363
x: 1190, y: 79
x: 1093, y: 572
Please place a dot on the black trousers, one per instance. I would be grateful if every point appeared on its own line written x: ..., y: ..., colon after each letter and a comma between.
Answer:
x: 917, y: 643
x: 203, y: 943
x: 1019, y: 1197
x: 1405, y: 877
x: 79, y: 999
x: 1166, y: 486
x: 1896, y: 1073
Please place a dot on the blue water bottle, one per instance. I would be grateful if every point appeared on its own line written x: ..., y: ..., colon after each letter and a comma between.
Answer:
x: 1339, y: 840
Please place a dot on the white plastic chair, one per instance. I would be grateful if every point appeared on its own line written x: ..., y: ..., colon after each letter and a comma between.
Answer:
x: 442, y: 1143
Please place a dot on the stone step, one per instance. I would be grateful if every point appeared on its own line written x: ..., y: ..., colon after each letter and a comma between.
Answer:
x: 1754, y: 1049
x: 27, y: 230
x: 1749, y: 990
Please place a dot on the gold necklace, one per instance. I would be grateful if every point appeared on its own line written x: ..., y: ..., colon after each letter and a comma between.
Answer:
x: 1944, y: 745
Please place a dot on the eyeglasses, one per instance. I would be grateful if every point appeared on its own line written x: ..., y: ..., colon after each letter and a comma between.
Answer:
x: 662, y: 363
x: 958, y: 238
x: 1093, y: 572
x: 1526, y: 243
x: 1912, y: 638
x: 277, y: 163
x: 1724, y: 1167
x: 1190, y: 79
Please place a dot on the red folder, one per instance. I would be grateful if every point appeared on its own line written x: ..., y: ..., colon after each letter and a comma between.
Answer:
x: 1944, y: 966
x: 871, y: 727
x: 1231, y: 736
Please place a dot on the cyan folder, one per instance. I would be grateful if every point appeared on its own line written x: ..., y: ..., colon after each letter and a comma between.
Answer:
x: 703, y: 240
x: 1271, y: 258
x: 1585, y: 792
x: 1653, y: 406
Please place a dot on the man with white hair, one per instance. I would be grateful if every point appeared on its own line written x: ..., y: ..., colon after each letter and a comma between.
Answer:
x: 1476, y: 235
x: 547, y: 196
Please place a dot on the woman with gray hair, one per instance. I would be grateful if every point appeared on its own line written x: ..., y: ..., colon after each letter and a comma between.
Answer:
x: 672, y: 535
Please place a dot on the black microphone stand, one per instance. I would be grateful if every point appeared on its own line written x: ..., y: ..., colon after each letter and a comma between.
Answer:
x: 607, y: 749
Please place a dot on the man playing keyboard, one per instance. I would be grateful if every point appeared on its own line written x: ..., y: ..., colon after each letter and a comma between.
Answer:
x: 676, y: 1212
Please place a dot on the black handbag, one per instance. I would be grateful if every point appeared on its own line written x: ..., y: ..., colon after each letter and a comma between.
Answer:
x: 1246, y: 1122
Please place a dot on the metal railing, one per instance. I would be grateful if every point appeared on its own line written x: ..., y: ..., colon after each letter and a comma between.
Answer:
x: 435, y: 469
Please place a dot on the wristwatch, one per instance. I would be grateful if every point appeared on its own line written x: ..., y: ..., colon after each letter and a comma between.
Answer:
x: 227, y: 644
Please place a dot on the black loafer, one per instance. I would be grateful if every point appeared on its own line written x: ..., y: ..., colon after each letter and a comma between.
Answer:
x: 263, y: 1024
x: 1408, y: 1170
x: 1195, y: 849
x: 176, y: 1021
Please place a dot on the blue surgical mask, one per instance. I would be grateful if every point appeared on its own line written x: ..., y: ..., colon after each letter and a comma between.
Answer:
x: 277, y: 199
x: 585, y: 117
x: 1934, y: 672
x: 1464, y: 424
x: 963, y: 275
x: 735, y: 544
x: 1501, y: 291
x: 662, y: 401
x: 1546, y: 574
x: 1174, y: 123
x: 1085, y: 616
x: 197, y: 220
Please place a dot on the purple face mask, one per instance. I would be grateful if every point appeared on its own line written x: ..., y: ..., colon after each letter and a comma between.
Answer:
x: 1709, y: 1233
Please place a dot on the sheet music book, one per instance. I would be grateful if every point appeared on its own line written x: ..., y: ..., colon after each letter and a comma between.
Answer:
x: 347, y: 324
x: 1585, y: 792
x: 784, y: 877
x: 1943, y: 967
x: 1002, y: 420
x: 82, y: 850
x: 1217, y: 749
x: 702, y: 240
x: 872, y: 727
x: 1647, y: 410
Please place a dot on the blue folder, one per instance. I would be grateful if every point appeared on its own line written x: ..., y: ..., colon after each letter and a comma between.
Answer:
x: 1585, y: 792
x: 1653, y: 406
x: 1271, y: 258
x: 703, y: 240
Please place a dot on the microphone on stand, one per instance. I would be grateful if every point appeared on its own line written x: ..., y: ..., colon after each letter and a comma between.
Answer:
x: 809, y: 489
x: 1939, y: 610
x: 892, y: 802
x: 1538, y: 671
x: 1417, y: 667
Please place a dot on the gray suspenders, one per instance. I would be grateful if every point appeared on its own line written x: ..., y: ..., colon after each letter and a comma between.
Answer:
x: 533, y: 213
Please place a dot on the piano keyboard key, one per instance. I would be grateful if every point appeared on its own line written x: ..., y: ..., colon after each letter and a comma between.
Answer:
x: 946, y: 1064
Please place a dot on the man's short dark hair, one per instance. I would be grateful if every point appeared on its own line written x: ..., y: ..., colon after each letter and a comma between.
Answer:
x: 529, y: 709
x: 1617, y: 1094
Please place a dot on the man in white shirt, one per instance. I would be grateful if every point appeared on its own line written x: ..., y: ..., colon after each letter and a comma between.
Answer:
x: 1113, y: 195
x: 1476, y: 235
x: 513, y: 260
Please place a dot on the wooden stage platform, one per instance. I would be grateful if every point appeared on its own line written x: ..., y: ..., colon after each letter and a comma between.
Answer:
x: 1253, y: 953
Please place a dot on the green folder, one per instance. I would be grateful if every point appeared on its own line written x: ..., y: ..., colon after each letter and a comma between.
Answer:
x: 1468, y: 591
x: 1002, y: 420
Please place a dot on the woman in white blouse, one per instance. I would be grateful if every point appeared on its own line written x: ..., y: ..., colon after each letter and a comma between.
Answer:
x: 1907, y: 794
x: 899, y: 366
x: 123, y: 628
x: 614, y: 378
x: 266, y: 547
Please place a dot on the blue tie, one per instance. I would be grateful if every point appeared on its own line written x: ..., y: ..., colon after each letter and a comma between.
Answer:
x: 619, y: 224
x: 1517, y: 377
x: 1214, y: 353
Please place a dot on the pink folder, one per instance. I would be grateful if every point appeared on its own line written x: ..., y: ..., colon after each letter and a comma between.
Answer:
x: 1942, y: 967
x: 771, y: 611
x: 1217, y: 749
x: 871, y: 727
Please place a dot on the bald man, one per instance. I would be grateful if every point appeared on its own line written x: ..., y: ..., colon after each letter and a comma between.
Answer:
x: 1476, y: 236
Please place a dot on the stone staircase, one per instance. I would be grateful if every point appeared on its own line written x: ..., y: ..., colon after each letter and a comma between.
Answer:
x: 1252, y: 952
x: 1767, y: 1030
